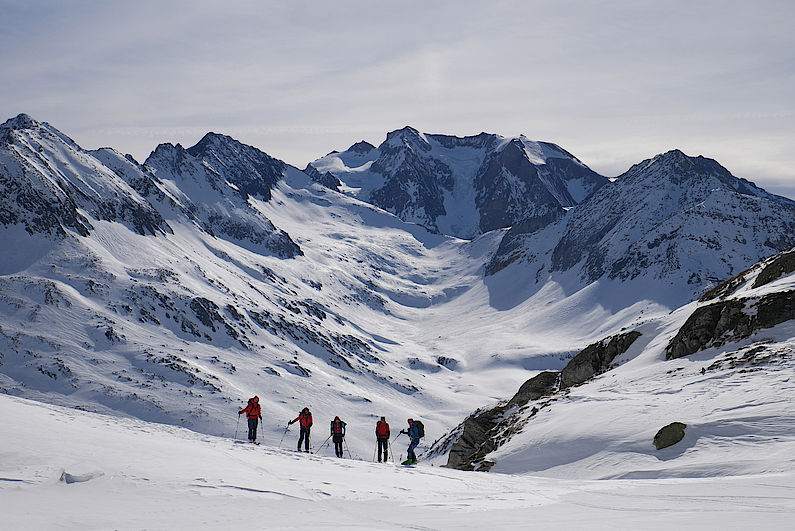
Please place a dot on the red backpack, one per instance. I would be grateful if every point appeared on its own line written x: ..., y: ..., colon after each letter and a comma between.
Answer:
x: 382, y: 429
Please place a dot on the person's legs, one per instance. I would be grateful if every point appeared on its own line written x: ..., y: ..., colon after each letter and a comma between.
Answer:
x: 252, y: 429
x: 412, y: 446
x: 301, y: 438
x: 382, y: 449
x: 305, y: 432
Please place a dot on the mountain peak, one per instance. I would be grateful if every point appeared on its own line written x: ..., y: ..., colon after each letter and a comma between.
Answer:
x: 20, y: 121
x: 210, y: 140
x: 407, y: 136
x: 361, y: 147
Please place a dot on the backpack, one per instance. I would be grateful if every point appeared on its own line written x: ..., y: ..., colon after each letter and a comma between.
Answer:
x: 336, y: 427
x: 420, y: 429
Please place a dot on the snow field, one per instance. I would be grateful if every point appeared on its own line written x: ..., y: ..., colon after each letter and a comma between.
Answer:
x: 129, y: 474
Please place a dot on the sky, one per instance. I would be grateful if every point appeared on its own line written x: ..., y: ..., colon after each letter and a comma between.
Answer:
x: 612, y: 82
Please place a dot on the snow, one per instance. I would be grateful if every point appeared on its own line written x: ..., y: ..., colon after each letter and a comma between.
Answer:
x: 78, y: 470
x: 377, y: 317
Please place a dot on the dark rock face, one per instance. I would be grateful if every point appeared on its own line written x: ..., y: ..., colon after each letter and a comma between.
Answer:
x: 730, y: 320
x: 324, y: 179
x: 427, y: 177
x: 782, y: 265
x: 485, y: 431
x: 220, y: 175
x: 415, y: 184
x: 252, y: 172
x: 508, y: 185
x: 44, y: 191
x: 512, y: 244
x: 534, y: 388
x: 595, y: 359
x: 669, y: 435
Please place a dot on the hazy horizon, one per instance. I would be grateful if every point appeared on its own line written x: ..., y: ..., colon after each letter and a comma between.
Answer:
x: 612, y: 82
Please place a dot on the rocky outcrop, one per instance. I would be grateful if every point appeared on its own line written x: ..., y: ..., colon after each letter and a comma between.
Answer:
x: 485, y: 431
x: 782, y: 265
x: 669, y: 435
x: 730, y: 320
x: 595, y: 359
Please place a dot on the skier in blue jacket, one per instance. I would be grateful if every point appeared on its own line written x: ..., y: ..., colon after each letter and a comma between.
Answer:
x: 413, y: 432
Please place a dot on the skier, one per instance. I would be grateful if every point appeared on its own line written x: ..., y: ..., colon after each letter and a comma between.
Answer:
x: 382, y: 438
x: 415, y: 431
x: 254, y: 414
x: 304, y: 419
x: 337, y: 434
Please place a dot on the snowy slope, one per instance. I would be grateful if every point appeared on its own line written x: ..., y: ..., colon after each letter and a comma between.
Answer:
x: 462, y: 186
x: 107, y: 473
x: 729, y: 379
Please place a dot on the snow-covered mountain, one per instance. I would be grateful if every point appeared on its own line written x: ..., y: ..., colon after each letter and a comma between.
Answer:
x: 460, y: 186
x: 676, y: 222
x: 171, y: 290
x: 49, y: 185
x: 177, y: 324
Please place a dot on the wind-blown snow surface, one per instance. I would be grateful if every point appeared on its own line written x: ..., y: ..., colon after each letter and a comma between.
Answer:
x: 66, y: 469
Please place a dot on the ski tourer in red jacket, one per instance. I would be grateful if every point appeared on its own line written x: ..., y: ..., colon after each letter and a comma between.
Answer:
x: 382, y: 439
x: 305, y: 420
x: 253, y: 409
x: 254, y: 414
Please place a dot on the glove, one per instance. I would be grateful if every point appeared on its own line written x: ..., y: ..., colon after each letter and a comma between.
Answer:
x: 240, y: 412
x: 290, y: 423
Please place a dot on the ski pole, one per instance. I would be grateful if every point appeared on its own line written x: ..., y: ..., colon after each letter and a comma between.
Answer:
x: 391, y: 453
x: 323, y: 445
x: 283, y: 434
x: 237, y: 425
x: 347, y: 449
x: 374, y: 449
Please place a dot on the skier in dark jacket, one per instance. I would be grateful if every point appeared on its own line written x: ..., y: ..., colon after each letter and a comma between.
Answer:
x: 414, y: 434
x: 305, y: 421
x: 254, y: 414
x: 382, y: 438
x: 337, y: 435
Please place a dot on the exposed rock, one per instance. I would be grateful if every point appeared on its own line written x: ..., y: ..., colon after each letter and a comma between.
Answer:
x: 730, y: 320
x: 475, y: 432
x: 669, y: 435
x: 783, y: 265
x: 534, y: 388
x: 485, y: 431
x: 595, y: 359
